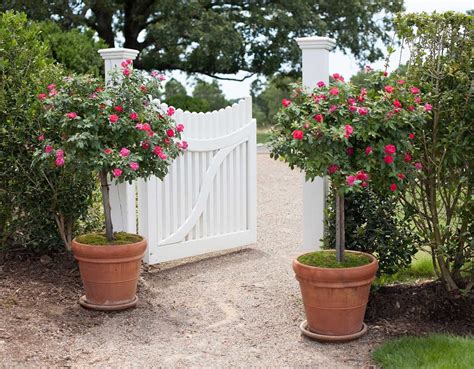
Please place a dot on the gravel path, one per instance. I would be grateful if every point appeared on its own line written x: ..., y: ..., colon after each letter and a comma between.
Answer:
x: 232, y: 309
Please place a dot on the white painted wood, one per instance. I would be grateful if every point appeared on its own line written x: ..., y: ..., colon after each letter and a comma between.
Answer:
x: 315, y: 66
x: 209, y: 195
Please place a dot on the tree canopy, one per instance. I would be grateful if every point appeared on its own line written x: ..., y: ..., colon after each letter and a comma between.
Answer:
x: 224, y: 37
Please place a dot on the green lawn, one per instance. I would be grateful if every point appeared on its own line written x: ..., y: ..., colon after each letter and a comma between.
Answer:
x: 436, y: 351
x: 421, y: 268
x: 262, y: 136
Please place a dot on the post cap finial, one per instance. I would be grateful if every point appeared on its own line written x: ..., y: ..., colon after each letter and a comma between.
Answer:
x: 316, y: 42
x: 118, y: 53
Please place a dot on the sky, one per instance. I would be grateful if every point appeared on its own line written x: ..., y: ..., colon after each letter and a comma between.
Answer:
x: 338, y: 61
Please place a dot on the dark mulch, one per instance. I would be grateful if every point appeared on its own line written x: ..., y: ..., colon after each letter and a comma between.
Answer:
x: 420, y: 308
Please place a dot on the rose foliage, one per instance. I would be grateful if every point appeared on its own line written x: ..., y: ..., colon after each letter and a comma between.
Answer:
x: 117, y: 132
x: 360, y: 137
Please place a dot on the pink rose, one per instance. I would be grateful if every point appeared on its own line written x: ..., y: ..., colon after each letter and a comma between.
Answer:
x: 389, y: 89
x: 285, y: 102
x: 297, y: 134
x: 162, y: 155
x: 133, y: 116
x: 157, y: 150
x: 407, y: 157
x: 126, y: 72
x: 180, y: 127
x: 352, y: 108
x: 108, y: 151
x: 428, y: 107
x: 124, y: 64
x: 397, y: 103
x: 411, y: 136
x: 321, y: 84
x: 117, y: 172
x: 134, y: 166
x: 184, y: 145
x: 170, y: 111
x: 42, y: 96
x: 401, y: 176
x: 411, y: 108
x: 350, y: 151
x: 41, y: 137
x: 52, y: 86
x: 161, y: 77
x: 401, y: 81
x: 363, y: 91
x: 318, y: 118
x: 418, y: 99
x: 48, y: 149
x: 306, y: 126
x: 362, y: 176
x: 334, y: 91
x: 364, y: 184
x: 145, y: 145
x: 363, y: 111
x: 418, y: 166
x: 118, y: 108
x: 390, y: 149
x: 59, y: 162
x: 154, y: 73
x: 333, y: 168
x: 348, y: 130
x: 385, y: 74
x: 332, y: 108
x: 124, y: 152
x: 53, y: 92
x: 113, y: 118
x: 351, y: 101
x: 350, y: 180
x: 388, y: 159
x: 414, y: 90
x: 71, y: 115
x: 393, y: 187
x: 338, y: 77
x: 170, y: 132
x: 368, y: 150
x: 59, y: 153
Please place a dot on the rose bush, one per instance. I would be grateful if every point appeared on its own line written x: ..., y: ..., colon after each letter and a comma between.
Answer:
x: 360, y: 137
x: 116, y: 132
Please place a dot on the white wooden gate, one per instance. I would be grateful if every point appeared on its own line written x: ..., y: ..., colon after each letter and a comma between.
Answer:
x: 207, y: 202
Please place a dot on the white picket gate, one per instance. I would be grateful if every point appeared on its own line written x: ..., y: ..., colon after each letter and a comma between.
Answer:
x: 207, y: 202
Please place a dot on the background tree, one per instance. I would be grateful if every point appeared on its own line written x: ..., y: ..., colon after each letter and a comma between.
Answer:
x: 212, y: 37
x: 210, y: 92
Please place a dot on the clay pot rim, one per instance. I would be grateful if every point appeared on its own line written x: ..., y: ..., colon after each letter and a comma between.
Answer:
x: 108, y: 245
x: 372, y: 258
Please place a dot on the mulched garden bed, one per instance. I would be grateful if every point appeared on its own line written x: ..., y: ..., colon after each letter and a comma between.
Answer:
x: 420, y: 308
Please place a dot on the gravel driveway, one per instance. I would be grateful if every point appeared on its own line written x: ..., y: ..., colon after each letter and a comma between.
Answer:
x: 235, y: 309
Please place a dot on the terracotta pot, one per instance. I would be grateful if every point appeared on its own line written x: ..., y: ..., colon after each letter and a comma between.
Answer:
x: 109, y: 274
x: 335, y: 298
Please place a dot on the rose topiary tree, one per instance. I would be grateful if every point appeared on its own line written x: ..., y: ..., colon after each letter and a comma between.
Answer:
x: 117, y: 132
x: 359, y: 137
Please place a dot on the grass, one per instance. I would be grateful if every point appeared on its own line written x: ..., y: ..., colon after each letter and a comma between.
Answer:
x: 327, y: 259
x: 263, y: 136
x: 100, y: 239
x: 436, y: 351
x: 421, y: 267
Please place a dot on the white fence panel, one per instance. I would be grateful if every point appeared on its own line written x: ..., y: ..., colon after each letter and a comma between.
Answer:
x: 207, y: 202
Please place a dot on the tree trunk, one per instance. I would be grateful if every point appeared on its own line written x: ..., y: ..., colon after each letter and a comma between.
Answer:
x: 340, y: 227
x: 104, y: 187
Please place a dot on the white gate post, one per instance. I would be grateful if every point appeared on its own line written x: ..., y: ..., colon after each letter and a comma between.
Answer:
x: 315, y: 68
x: 122, y: 196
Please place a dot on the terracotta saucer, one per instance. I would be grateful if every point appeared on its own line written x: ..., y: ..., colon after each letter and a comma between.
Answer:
x: 124, y: 306
x: 329, y: 338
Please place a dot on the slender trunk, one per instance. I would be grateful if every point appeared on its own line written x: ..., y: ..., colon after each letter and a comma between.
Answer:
x: 340, y: 227
x: 104, y: 187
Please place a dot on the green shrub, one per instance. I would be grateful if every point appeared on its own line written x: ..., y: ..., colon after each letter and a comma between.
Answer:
x: 75, y: 50
x: 185, y: 102
x: 373, y: 226
x: 441, y: 197
x: 34, y: 204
